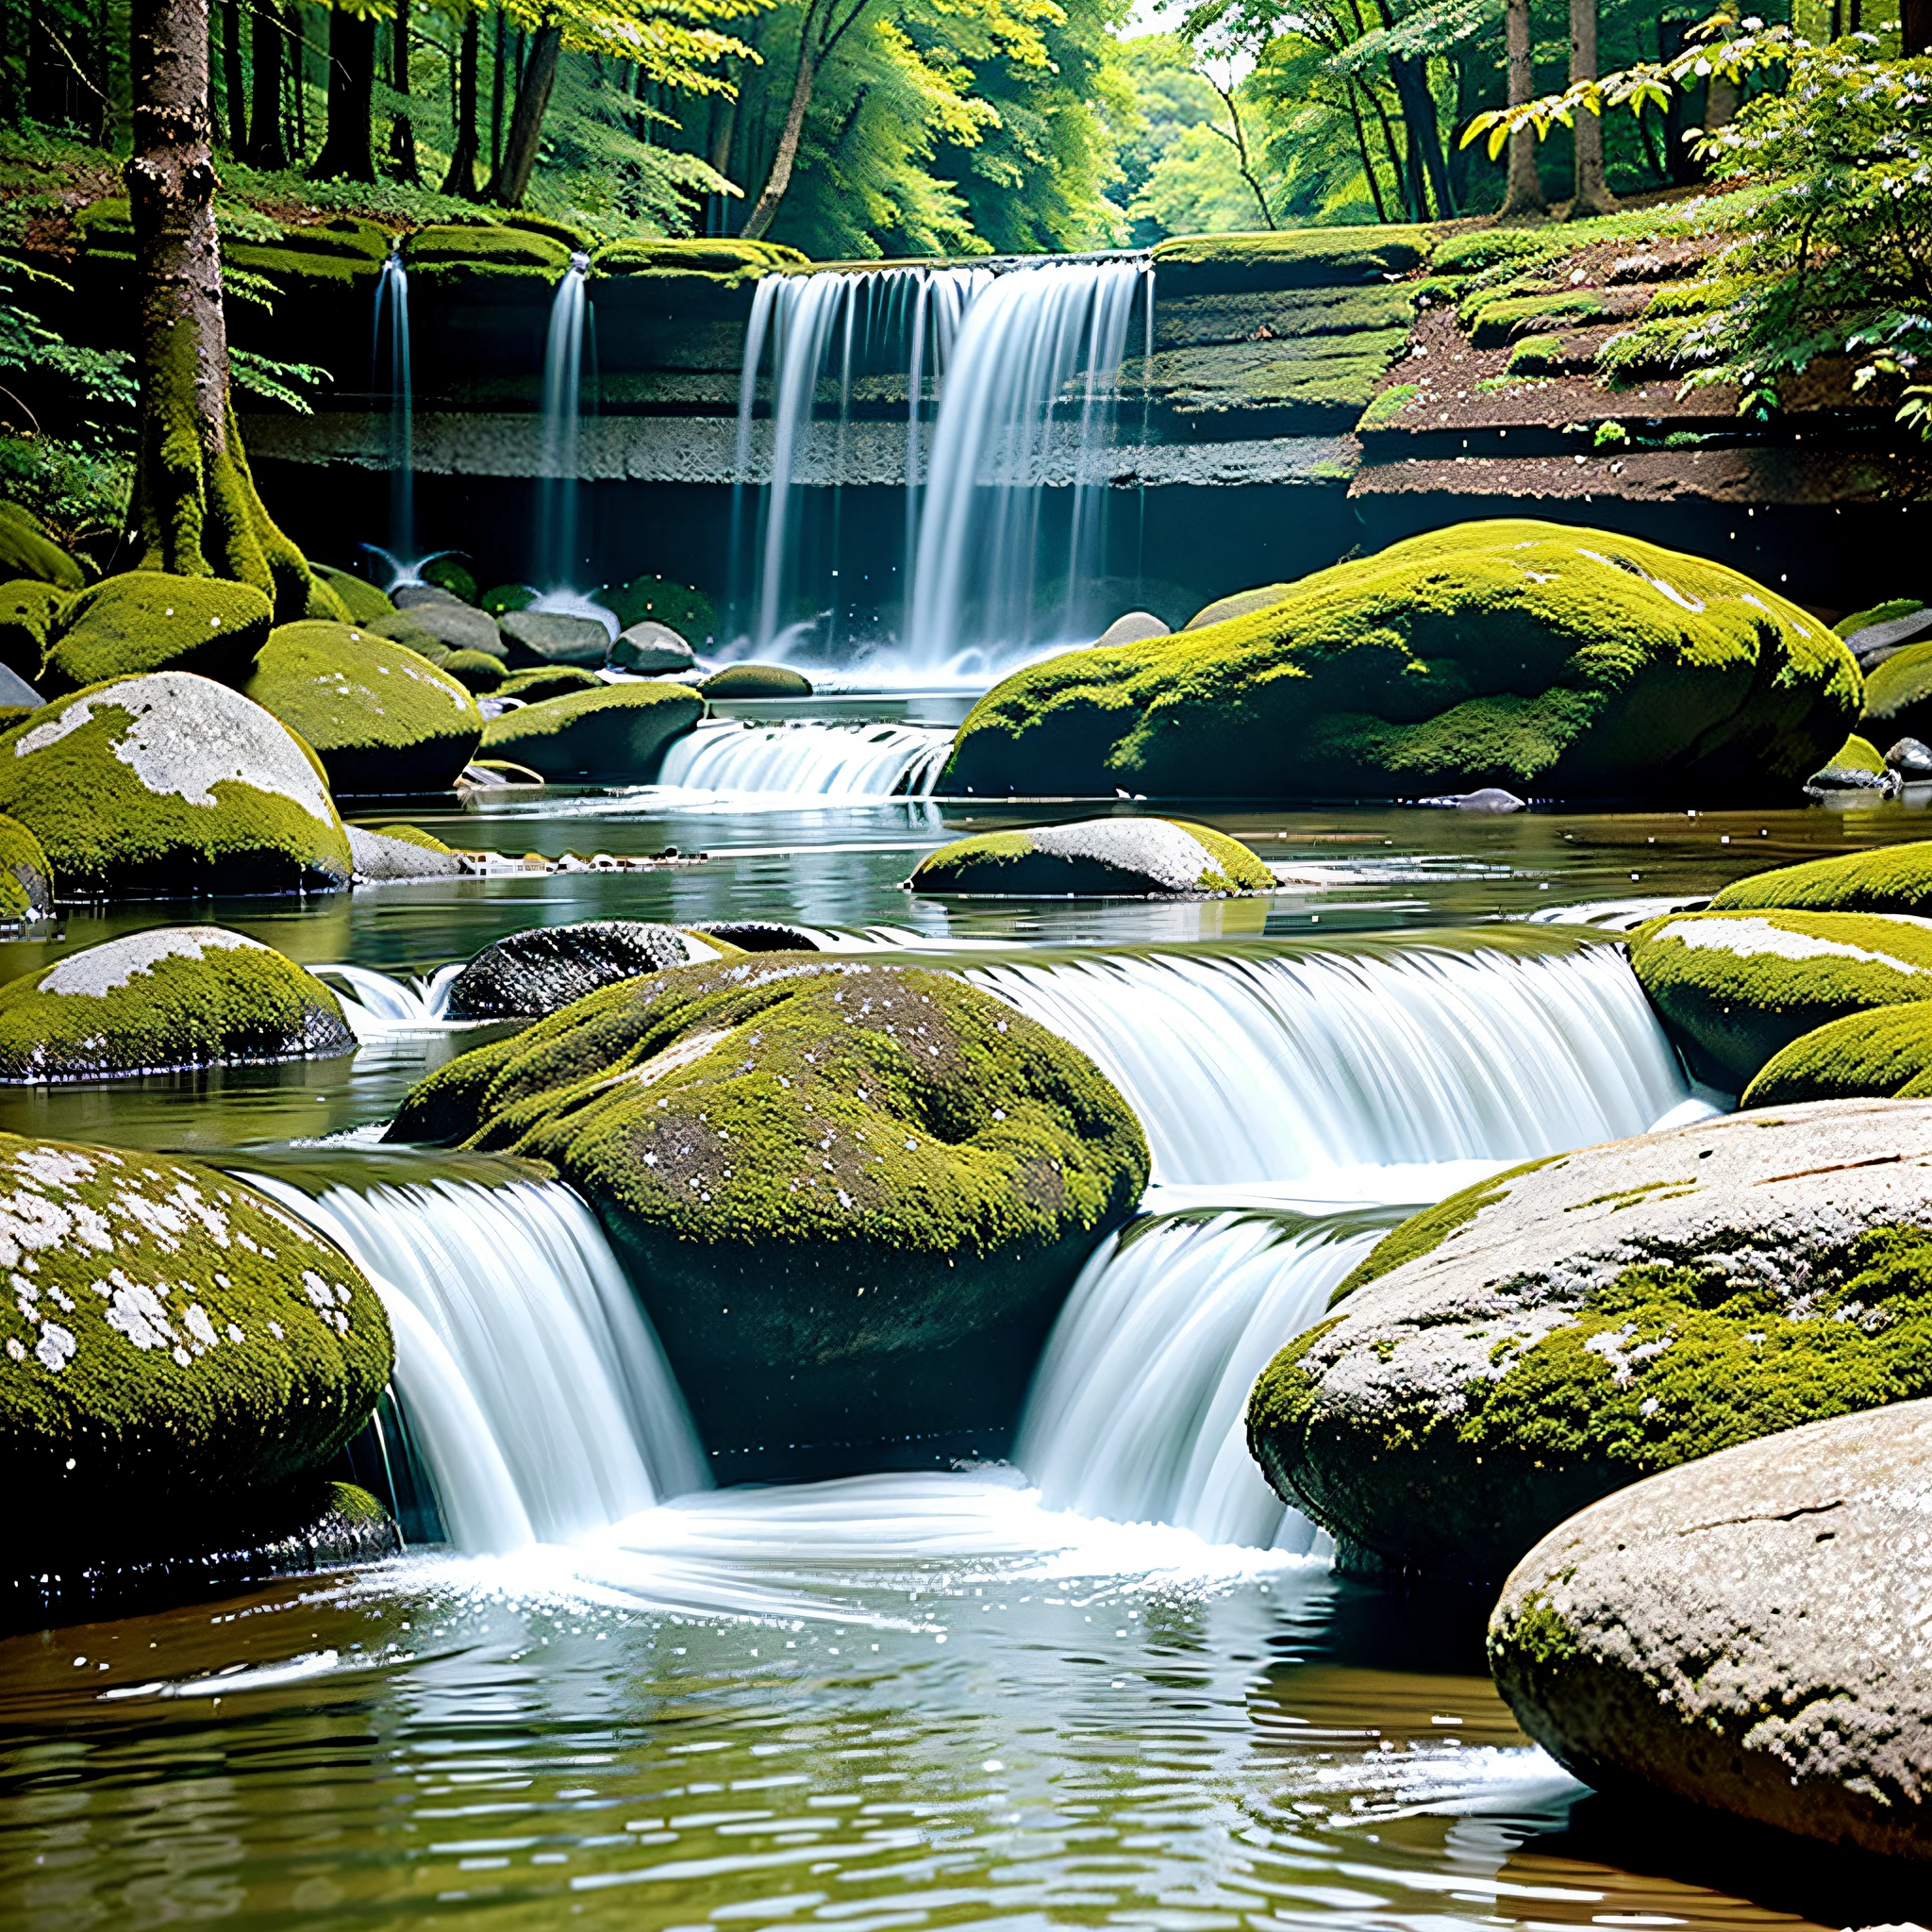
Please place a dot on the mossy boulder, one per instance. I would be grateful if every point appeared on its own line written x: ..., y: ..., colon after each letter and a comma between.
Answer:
x: 460, y: 250
x: 173, y: 1338
x: 401, y: 852
x: 361, y: 598
x: 477, y: 671
x: 27, y: 551
x: 1898, y: 696
x: 149, y: 619
x: 507, y: 597
x: 617, y: 732
x: 852, y: 1196
x: 164, y: 1002
x: 1548, y: 661
x: 1293, y: 259
x: 379, y: 717
x: 1732, y: 988
x: 1857, y: 765
x: 1242, y: 604
x: 1570, y: 1326
x: 531, y: 975
x: 1883, y: 1053
x: 26, y: 880
x: 172, y: 786
x: 553, y: 681
x: 534, y: 638
x: 27, y: 609
x: 453, y: 626
x: 1746, y: 1636
x: 450, y: 573
x: 728, y: 261
x: 1889, y: 878
x: 756, y: 681
x: 1137, y: 858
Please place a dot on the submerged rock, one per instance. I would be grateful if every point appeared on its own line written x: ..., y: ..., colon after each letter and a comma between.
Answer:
x: 379, y: 718
x: 1555, y: 1333
x: 651, y: 647
x: 26, y: 880
x: 169, y: 786
x: 756, y: 681
x: 532, y: 973
x: 616, y: 733
x: 149, y: 619
x: 1747, y: 1635
x: 384, y: 855
x: 173, y: 1339
x: 852, y: 1196
x: 1473, y: 657
x: 1734, y: 986
x: 1137, y: 858
x: 1889, y: 878
x: 554, y: 637
x: 163, y: 1002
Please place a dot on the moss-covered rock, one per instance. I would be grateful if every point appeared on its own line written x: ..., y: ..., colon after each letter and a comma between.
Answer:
x: 852, y: 1194
x: 450, y: 573
x: 401, y: 852
x: 172, y: 1336
x: 1140, y: 858
x: 361, y: 598
x: 149, y: 619
x: 1575, y: 1324
x: 756, y: 681
x: 1241, y: 604
x: 1857, y: 765
x: 617, y: 732
x: 507, y: 597
x: 1544, y: 659
x: 1732, y: 988
x: 728, y: 261
x: 1301, y: 386
x: 554, y: 681
x: 1898, y: 696
x: 1890, y: 878
x: 172, y: 786
x: 27, y: 551
x: 26, y: 880
x: 379, y: 717
x: 486, y: 249
x: 1293, y: 259
x: 163, y: 1002
x: 1884, y: 1053
x: 452, y: 626
x: 27, y: 611
x: 477, y: 671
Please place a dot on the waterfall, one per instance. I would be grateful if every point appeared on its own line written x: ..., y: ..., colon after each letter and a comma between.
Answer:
x: 564, y: 374
x: 1252, y: 1065
x: 808, y: 759
x: 1137, y: 1409
x: 530, y: 1379
x: 392, y: 302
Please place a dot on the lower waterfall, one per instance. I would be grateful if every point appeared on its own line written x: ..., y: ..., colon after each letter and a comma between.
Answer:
x: 810, y: 759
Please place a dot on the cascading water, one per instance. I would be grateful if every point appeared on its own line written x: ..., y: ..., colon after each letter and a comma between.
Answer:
x: 563, y: 377
x: 393, y: 307
x: 808, y: 759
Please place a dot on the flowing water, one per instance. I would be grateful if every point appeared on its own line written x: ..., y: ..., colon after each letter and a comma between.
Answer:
x: 558, y: 550
x: 392, y: 328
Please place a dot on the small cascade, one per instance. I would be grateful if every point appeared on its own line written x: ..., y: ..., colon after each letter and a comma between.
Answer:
x: 532, y: 1385
x: 392, y: 308
x: 1255, y: 1066
x: 377, y: 1006
x: 808, y: 759
x: 558, y: 557
x: 1137, y: 1409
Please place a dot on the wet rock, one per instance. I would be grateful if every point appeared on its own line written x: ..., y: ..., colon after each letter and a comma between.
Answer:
x: 1136, y: 857
x: 381, y: 857
x: 1131, y: 627
x: 454, y: 626
x: 1748, y: 1633
x: 554, y: 637
x: 164, y: 1002
x: 1491, y: 798
x: 415, y: 596
x: 536, y: 973
x: 1911, y: 759
x: 756, y: 681
x: 651, y: 647
x: 1507, y: 1357
x: 758, y: 935
x: 615, y: 734
x: 149, y: 620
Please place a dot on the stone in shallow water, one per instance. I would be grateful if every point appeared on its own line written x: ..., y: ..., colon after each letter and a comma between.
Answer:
x: 554, y: 637
x: 1138, y: 857
x: 381, y: 857
x: 651, y: 647
x: 616, y: 733
x: 1911, y: 759
x: 756, y: 681
x: 531, y: 974
x: 1748, y: 1633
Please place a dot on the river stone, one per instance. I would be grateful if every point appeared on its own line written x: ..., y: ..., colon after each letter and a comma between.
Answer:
x: 418, y: 596
x: 1131, y: 627
x: 1752, y: 1634
x: 651, y: 647
x: 554, y: 637
x: 379, y: 717
x: 1734, y: 988
x: 164, y: 1002
x: 27, y: 611
x: 26, y: 880
x: 172, y: 785
x: 852, y: 1196
x: 1530, y: 1345
x: 1121, y: 857
x: 171, y: 1336
x: 551, y: 681
x: 1911, y: 759
x: 756, y: 681
x: 1550, y: 660
x: 381, y: 857
x: 1889, y: 878
x: 454, y: 626
x: 616, y: 733
x: 1869, y: 640
x: 532, y: 973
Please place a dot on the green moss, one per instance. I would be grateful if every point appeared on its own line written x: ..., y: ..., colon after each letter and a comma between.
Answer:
x: 173, y: 1335
x: 1304, y: 385
x: 617, y: 731
x: 165, y: 1000
x: 657, y: 600
x: 146, y: 619
x: 1898, y: 696
x: 1537, y: 356
x: 1387, y: 405
x: 1892, y: 878
x: 1856, y: 755
x: 756, y: 681
x: 487, y: 248
x: 1884, y: 1052
x: 1242, y: 604
x: 1424, y: 1232
x: 1878, y: 613
x: 1480, y: 249
x: 476, y: 670
x: 415, y: 835
x: 27, y: 551
x: 361, y: 598
x: 1027, y: 862
x: 1537, y: 1634
x: 1548, y: 659
x: 26, y: 880
x: 379, y: 717
x: 447, y: 573
x: 507, y: 597
x: 27, y: 611
x: 1294, y: 258
x: 572, y: 239
x: 552, y: 681
x: 1492, y: 318
x: 1734, y: 988
x: 731, y: 263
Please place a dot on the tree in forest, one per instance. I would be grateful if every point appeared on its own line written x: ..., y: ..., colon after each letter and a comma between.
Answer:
x: 267, y: 34
x: 1591, y: 195
x: 1523, y: 193
x: 402, y: 126
x: 826, y: 23
x: 348, y: 148
x: 196, y: 509
x: 461, y: 178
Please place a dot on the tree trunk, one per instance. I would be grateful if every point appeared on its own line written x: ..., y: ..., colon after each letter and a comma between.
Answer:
x: 1524, y: 194
x: 1915, y: 26
x: 766, y: 207
x: 196, y: 510
x: 497, y: 77
x: 348, y: 151
x: 231, y: 77
x: 1410, y: 75
x: 1361, y: 145
x: 461, y: 178
x: 1593, y: 195
x: 265, y: 110
x: 401, y: 131
x: 513, y: 178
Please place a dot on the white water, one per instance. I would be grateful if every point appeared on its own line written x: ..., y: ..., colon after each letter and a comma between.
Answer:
x: 534, y: 1387
x: 808, y: 759
x: 1271, y: 1067
x: 393, y: 301
x: 563, y: 370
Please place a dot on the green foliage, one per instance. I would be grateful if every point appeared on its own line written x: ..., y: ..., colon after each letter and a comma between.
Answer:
x: 658, y: 600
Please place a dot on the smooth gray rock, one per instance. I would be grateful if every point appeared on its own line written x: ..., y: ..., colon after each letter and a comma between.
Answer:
x: 1851, y: 778
x: 380, y: 858
x: 1752, y: 1633
x: 554, y: 637
x: 651, y: 647
x: 417, y: 596
x: 1876, y: 643
x: 534, y: 973
x: 1911, y: 759
x: 15, y: 690
x: 459, y: 627
x: 1131, y: 627
x: 1491, y: 798
x: 1563, y: 1329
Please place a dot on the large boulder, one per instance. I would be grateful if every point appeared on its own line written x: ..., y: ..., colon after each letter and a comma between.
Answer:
x: 149, y: 619
x: 1548, y: 660
x: 1857, y: 765
x: 477, y: 671
x: 163, y: 1002
x: 27, y: 611
x: 171, y: 786
x: 1898, y: 696
x: 382, y: 858
x: 1748, y: 1635
x: 1890, y: 878
x: 1732, y: 988
x: 1507, y: 1357
x: 651, y: 649
x: 1884, y: 1053
x: 173, y: 1338
x: 756, y: 681
x: 532, y: 973
x: 1138, y: 857
x: 554, y: 637
x: 616, y: 733
x: 377, y: 716
x: 454, y: 626
x: 26, y: 880
x: 852, y: 1196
